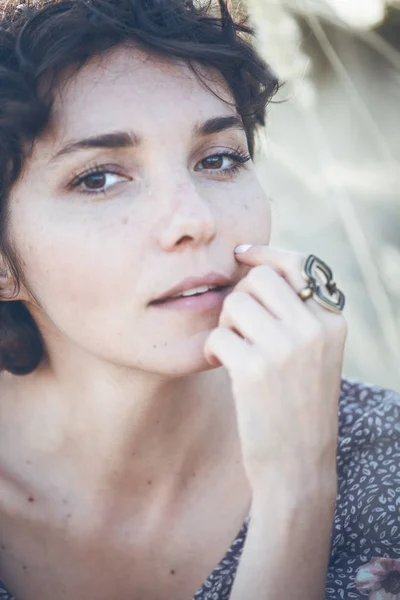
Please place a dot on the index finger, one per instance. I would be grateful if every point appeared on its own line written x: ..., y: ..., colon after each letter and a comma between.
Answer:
x: 287, y: 264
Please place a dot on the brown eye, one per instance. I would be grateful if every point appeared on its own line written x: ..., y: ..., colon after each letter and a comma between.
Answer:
x: 95, y: 182
x: 223, y: 162
x: 214, y: 162
x: 98, y: 181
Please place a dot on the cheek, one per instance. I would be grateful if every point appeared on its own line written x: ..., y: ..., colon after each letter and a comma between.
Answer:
x: 248, y: 215
x: 71, y: 263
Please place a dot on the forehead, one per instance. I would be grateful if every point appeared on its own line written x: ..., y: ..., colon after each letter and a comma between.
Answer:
x: 128, y: 87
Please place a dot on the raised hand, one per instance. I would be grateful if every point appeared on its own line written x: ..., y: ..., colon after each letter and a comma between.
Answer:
x: 284, y: 356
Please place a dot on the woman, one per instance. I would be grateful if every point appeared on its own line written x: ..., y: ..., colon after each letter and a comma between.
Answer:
x: 165, y: 386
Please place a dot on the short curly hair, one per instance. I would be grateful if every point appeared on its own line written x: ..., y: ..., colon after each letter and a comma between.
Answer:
x: 40, y: 39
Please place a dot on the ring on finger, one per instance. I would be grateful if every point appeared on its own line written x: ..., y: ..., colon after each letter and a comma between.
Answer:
x: 320, y: 285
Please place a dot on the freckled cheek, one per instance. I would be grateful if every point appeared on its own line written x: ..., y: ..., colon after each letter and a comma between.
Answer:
x: 84, y: 265
x: 248, y: 216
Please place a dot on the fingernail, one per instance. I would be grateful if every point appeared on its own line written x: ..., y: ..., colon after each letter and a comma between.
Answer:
x: 243, y: 248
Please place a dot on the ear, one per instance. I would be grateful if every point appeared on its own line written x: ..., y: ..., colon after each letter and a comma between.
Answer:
x: 7, y: 283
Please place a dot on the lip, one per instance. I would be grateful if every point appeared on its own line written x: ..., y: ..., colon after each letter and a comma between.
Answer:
x: 214, y: 279
x: 207, y: 303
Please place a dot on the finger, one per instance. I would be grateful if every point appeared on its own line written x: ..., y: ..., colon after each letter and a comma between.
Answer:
x: 289, y: 265
x: 276, y: 295
x: 227, y: 348
x: 254, y: 323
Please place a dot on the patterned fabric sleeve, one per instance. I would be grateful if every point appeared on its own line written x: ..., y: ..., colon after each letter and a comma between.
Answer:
x: 4, y: 595
x: 365, y: 559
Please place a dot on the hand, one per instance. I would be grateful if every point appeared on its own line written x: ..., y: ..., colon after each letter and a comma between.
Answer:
x: 284, y: 357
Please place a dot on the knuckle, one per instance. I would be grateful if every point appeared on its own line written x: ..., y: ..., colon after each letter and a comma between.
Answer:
x: 315, y: 330
x: 232, y: 301
x: 214, y: 336
x: 212, y: 340
x: 295, y: 260
x: 341, y: 327
x: 320, y: 333
x: 256, y: 369
x: 258, y: 274
x: 285, y: 351
x: 312, y: 330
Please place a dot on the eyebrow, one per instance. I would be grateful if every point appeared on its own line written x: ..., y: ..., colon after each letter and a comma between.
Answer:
x: 218, y: 124
x: 117, y: 139
x: 129, y: 139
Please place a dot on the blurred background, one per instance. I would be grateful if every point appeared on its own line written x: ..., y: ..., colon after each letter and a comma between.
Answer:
x: 330, y: 161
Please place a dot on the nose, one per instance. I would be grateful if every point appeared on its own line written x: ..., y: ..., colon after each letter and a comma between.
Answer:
x: 188, y: 218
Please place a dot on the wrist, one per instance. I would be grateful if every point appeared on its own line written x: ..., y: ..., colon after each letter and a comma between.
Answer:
x: 311, y: 491
x: 292, y: 517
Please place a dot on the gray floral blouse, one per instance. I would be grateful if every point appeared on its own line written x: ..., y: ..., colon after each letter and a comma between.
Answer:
x: 365, y: 543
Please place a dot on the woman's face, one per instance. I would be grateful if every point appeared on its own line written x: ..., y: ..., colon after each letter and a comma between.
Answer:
x: 106, y: 226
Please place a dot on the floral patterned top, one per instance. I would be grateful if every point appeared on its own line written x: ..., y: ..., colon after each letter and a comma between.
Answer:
x: 365, y: 543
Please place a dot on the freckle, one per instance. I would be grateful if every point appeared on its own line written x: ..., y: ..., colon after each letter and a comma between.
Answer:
x: 246, y: 207
x: 28, y: 462
x: 154, y: 345
x: 149, y: 482
x: 65, y: 501
x: 25, y: 568
x: 69, y: 515
x: 31, y: 499
x: 172, y: 572
x: 3, y: 547
x: 124, y: 221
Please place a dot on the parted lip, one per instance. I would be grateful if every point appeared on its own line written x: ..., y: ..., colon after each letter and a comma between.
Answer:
x: 214, y: 279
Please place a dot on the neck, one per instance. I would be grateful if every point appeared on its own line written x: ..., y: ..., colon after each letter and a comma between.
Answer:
x: 116, y: 436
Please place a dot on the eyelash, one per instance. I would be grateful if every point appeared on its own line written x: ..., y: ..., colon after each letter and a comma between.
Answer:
x: 239, y: 157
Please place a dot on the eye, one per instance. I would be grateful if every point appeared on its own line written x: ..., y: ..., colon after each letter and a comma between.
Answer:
x: 225, y: 162
x: 99, y: 180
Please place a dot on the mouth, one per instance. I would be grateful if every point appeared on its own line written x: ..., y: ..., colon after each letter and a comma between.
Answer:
x: 198, y: 299
x: 195, y: 285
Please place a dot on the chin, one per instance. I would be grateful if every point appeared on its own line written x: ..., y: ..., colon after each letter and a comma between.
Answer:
x: 180, y: 359
x: 184, y: 368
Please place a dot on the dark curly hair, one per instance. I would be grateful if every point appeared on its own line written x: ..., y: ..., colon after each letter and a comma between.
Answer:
x: 40, y: 39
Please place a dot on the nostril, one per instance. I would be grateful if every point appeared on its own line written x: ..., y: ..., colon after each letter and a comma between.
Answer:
x: 184, y: 239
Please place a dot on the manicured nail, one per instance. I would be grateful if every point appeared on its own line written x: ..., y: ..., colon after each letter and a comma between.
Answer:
x: 243, y: 248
